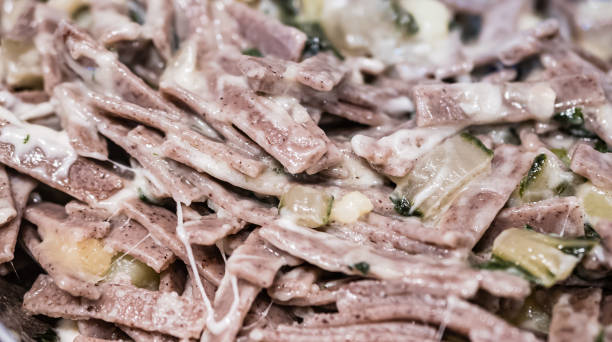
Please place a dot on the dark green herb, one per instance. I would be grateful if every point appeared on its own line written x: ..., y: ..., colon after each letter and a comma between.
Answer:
x: 404, y: 19
x: 252, y: 52
x: 579, y: 132
x: 600, y: 146
x: 575, y: 250
x: 329, y: 209
x: 600, y: 337
x: 143, y: 197
x: 469, y: 25
x: 570, y: 117
x: 403, y: 207
x: 577, y: 246
x: 529, y: 227
x: 534, y: 172
x: 559, y: 189
x: 317, y: 39
x: 48, y: 336
x: 472, y: 139
x: 590, y: 233
x: 362, y: 267
x: 175, y: 41
x: 136, y: 12
x: 450, y: 336
x: 288, y: 8
x: 26, y: 139
x: 572, y: 122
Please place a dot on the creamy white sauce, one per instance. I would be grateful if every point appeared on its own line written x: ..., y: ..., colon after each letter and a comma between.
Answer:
x: 481, y: 101
x: 129, y: 191
x: 359, y: 174
x: 380, y: 266
x: 403, y: 147
x: 537, y: 98
x: 23, y: 110
x: 268, y: 182
x: 25, y: 137
x: 67, y: 330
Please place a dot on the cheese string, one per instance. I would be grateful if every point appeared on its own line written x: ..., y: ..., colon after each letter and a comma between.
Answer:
x: 216, y: 327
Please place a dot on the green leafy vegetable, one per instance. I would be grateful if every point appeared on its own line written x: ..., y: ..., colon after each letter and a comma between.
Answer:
x: 403, y: 19
x: 362, y: 267
x: 26, y: 139
x: 252, y: 52
x: 534, y: 172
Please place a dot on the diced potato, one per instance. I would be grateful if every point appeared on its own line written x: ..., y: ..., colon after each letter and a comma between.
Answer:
x: 431, y: 16
x: 597, y: 203
x: 311, y: 10
x: 87, y: 259
x: 442, y: 172
x: 350, y: 207
x: 307, y: 206
x: 93, y: 256
x: 21, y: 64
x: 125, y: 267
x: 533, y: 315
x: 549, y: 259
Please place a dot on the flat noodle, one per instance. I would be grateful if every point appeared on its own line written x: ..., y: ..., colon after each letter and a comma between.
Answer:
x: 224, y: 170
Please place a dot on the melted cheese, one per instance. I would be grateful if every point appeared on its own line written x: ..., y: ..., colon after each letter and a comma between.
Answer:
x: 216, y: 327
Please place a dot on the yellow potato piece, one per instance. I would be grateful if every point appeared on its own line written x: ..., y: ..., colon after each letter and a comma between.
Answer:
x: 596, y: 202
x: 350, y: 207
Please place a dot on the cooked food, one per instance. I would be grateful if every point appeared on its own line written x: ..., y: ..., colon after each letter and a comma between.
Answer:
x: 306, y: 170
